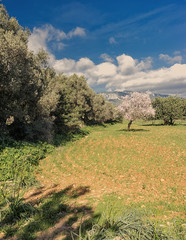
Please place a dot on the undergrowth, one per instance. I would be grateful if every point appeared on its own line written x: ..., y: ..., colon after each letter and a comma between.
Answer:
x: 129, y: 225
x: 18, y: 163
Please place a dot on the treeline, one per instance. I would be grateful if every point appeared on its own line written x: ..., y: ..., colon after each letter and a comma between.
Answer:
x: 35, y: 101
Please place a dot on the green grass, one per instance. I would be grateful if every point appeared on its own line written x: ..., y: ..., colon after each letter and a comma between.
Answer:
x: 111, y: 168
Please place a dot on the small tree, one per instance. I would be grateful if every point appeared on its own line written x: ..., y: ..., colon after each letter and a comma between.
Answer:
x: 136, y: 106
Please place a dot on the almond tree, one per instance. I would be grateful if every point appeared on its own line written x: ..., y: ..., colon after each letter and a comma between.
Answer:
x: 136, y: 106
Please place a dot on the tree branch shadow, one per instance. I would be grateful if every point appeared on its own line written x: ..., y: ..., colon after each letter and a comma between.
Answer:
x: 54, y: 214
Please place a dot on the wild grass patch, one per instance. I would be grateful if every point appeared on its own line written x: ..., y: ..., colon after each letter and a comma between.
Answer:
x: 140, y: 171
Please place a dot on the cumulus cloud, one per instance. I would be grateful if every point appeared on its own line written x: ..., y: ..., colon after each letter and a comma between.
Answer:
x: 40, y: 37
x: 127, y: 74
x: 170, y: 60
x: 84, y: 64
x: 105, y: 69
x: 127, y: 65
x: 122, y: 73
x: 65, y: 65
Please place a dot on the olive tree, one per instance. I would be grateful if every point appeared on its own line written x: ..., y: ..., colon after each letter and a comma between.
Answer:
x: 136, y: 106
x: 26, y: 83
x: 169, y: 109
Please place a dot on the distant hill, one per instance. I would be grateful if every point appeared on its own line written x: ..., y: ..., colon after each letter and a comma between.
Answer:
x: 116, y: 97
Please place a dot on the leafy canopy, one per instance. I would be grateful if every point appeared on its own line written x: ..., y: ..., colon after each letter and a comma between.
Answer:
x: 169, y: 109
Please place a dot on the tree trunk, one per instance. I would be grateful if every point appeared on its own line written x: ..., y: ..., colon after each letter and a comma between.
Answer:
x: 129, y: 125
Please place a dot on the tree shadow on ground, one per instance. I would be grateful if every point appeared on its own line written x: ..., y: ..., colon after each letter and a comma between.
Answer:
x: 63, y: 139
x: 134, y: 130
x: 153, y: 125
x: 54, y: 214
x: 162, y: 124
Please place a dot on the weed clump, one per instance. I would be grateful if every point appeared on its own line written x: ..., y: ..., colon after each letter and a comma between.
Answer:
x: 129, y: 225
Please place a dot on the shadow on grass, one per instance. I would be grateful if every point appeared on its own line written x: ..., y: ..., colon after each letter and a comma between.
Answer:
x: 63, y: 139
x: 161, y: 124
x: 134, y: 130
x: 153, y: 125
x: 52, y: 215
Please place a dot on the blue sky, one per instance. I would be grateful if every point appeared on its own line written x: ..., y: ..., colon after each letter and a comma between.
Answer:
x: 118, y: 45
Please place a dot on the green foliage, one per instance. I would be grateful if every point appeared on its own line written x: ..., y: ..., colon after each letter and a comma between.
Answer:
x: 79, y: 105
x: 169, y: 109
x: 72, y: 103
x: 35, y: 96
x: 49, y: 210
x: 20, y: 158
x: 62, y: 140
x: 102, y: 111
x: 129, y: 225
x: 18, y: 162
x: 27, y: 84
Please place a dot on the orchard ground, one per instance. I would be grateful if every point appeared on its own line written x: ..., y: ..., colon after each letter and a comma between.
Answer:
x: 144, y: 165
x: 111, y: 168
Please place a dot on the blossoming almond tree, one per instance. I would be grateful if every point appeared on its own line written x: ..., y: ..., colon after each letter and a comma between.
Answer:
x: 136, y: 106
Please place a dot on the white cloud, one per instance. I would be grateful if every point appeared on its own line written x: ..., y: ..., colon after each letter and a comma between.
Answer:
x: 65, y: 65
x: 170, y: 60
x: 145, y: 64
x: 106, y: 57
x: 77, y: 32
x: 84, y: 64
x: 112, y: 40
x: 40, y: 37
x: 105, y: 69
x: 127, y: 74
x: 37, y: 40
x: 127, y: 65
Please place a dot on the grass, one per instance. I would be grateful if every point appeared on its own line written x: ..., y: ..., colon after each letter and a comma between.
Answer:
x: 142, y: 169
x: 134, y: 163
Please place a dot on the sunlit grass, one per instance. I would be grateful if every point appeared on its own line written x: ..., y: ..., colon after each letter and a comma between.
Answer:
x: 111, y: 168
x: 144, y: 165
